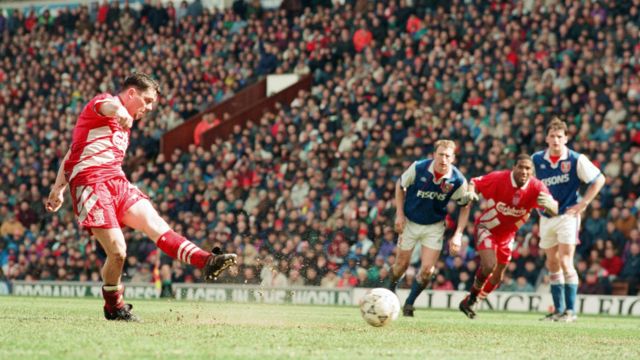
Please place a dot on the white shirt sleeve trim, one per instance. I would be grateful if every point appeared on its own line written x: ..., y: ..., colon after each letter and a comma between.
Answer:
x: 587, y: 172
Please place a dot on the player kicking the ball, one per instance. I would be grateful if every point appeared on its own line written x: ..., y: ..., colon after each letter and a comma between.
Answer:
x: 510, y: 196
x: 422, y: 195
x: 104, y: 200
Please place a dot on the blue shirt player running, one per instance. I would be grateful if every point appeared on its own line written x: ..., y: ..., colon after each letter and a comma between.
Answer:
x: 422, y: 195
x: 563, y: 170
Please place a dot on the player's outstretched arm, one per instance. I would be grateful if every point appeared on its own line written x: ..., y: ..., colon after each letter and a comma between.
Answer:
x: 400, y: 217
x: 56, y: 196
x: 589, y: 195
x: 456, y: 239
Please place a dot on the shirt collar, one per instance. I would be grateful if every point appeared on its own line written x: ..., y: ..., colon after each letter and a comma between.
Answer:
x: 513, y: 182
x: 563, y: 156
x: 446, y: 176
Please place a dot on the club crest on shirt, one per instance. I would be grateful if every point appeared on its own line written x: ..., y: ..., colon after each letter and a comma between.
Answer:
x: 119, y: 139
x: 446, y: 187
x: 423, y: 179
x: 516, y: 198
x: 565, y: 166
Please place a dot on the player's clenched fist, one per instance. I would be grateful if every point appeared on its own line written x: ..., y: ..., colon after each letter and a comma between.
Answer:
x: 54, y: 201
x: 124, y: 118
x: 454, y: 244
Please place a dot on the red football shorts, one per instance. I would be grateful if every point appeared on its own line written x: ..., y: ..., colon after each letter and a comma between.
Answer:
x: 485, y: 240
x: 102, y: 205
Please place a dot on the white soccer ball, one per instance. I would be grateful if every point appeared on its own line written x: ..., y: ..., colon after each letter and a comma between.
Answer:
x: 379, y: 307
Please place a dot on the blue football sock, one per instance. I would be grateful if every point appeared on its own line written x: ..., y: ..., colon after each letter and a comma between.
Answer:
x: 557, y: 290
x: 558, y: 295
x: 416, y: 289
x: 570, y: 295
x: 571, y: 289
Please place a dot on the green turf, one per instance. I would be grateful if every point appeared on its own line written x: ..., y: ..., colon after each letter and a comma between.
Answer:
x: 54, y: 328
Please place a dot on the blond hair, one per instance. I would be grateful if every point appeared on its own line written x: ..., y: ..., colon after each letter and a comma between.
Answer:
x: 445, y: 144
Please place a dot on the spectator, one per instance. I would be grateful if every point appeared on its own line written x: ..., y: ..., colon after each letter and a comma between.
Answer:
x: 612, y: 263
x: 311, y: 277
x: 271, y: 276
x: 591, y: 284
x: 12, y: 226
x: 207, y: 122
x: 362, y: 38
x: 631, y: 270
x: 330, y: 280
x: 442, y: 283
x: 143, y: 275
x: 295, y: 280
x: 347, y: 279
x: 508, y: 285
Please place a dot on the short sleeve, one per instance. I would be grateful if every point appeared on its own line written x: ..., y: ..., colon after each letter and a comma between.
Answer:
x: 460, y: 191
x: 484, y: 184
x: 99, y: 101
x: 409, y: 176
x: 587, y: 172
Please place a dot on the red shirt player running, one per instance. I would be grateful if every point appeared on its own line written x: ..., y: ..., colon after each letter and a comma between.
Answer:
x: 510, y: 196
x: 104, y: 200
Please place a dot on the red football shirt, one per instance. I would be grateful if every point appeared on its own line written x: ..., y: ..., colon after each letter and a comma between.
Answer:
x: 98, y: 146
x: 508, y: 206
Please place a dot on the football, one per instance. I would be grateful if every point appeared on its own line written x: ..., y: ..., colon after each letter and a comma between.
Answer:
x: 379, y: 307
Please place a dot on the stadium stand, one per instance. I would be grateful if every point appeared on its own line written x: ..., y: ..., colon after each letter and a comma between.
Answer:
x: 306, y: 194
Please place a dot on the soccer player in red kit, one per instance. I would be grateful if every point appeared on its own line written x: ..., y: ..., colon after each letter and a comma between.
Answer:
x: 104, y: 200
x: 510, y: 197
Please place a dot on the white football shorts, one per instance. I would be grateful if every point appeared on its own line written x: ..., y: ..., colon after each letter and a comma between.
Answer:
x: 562, y: 229
x: 430, y: 236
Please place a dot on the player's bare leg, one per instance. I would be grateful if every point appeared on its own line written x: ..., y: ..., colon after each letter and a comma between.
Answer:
x: 428, y: 260
x: 556, y: 278
x: 143, y: 217
x: 113, y: 243
x: 399, y: 267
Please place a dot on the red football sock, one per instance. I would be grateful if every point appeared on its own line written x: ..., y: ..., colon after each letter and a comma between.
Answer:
x: 487, y: 289
x: 182, y: 249
x: 113, y: 297
x: 479, y: 282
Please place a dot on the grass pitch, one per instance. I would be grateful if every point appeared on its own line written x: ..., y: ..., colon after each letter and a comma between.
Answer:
x: 54, y: 328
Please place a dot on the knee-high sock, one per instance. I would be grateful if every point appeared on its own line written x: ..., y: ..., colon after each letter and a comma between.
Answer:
x: 487, y: 288
x: 182, y: 249
x: 416, y: 289
x: 571, y: 289
x: 479, y: 282
x: 557, y: 291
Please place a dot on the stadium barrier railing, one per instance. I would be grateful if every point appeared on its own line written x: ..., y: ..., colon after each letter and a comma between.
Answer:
x: 497, y: 301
